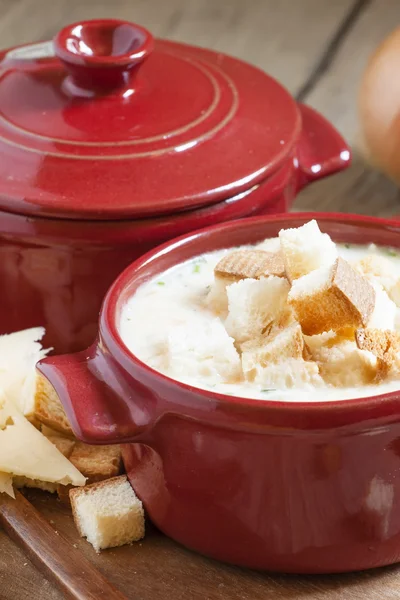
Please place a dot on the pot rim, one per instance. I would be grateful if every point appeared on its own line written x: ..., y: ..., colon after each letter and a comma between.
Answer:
x: 112, y: 339
x: 44, y: 217
x: 165, y: 228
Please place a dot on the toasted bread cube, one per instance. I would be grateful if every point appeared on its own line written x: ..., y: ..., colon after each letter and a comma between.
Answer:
x: 382, y: 271
x: 384, y: 314
x: 283, y: 345
x: 108, y: 514
x: 270, y: 245
x: 332, y: 297
x: 49, y: 432
x: 250, y: 264
x: 242, y: 264
x: 253, y: 305
x: 293, y: 373
x: 48, y: 408
x: 344, y: 365
x: 379, y: 342
x: 385, y: 345
x: 217, y: 298
x: 377, y: 268
x: 306, y: 249
x: 204, y: 351
x: 394, y: 293
x: 63, y: 444
x: 63, y: 494
x: 317, y: 342
x: 97, y: 462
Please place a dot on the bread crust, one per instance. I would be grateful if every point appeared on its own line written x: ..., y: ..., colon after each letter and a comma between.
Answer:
x: 384, y: 344
x: 97, y: 463
x: 345, y: 301
x: 75, y: 492
x: 278, y: 347
x: 48, y: 408
x: 250, y: 264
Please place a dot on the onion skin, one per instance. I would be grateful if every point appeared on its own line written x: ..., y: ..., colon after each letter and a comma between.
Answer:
x: 379, y: 107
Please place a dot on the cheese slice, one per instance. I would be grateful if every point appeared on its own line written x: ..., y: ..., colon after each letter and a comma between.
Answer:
x: 19, y: 353
x: 6, y: 484
x: 25, y: 451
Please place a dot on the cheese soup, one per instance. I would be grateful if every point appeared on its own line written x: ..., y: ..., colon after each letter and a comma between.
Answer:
x: 211, y: 327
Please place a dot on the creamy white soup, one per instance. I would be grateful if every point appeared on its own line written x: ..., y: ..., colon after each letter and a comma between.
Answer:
x: 186, y: 325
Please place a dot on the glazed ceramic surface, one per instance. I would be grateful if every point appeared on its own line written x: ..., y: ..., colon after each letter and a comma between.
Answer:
x: 112, y: 142
x: 270, y: 485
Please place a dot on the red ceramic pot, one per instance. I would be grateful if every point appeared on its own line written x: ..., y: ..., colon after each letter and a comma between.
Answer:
x: 111, y: 143
x: 295, y: 487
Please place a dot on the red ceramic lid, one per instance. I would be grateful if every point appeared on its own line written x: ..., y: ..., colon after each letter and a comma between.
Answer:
x: 85, y: 133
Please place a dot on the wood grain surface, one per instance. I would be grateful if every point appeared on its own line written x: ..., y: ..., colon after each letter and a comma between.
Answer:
x: 51, y: 553
x: 318, y: 50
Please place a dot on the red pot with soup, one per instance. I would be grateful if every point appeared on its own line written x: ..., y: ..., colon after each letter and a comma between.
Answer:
x: 252, y: 433
x: 112, y: 142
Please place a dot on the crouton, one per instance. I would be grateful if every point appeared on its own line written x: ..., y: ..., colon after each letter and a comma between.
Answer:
x: 270, y: 245
x: 378, y: 268
x: 341, y: 363
x: 250, y: 264
x: 254, y: 304
x: 242, y: 264
x: 384, y: 314
x: 291, y: 373
x: 284, y: 344
x: 63, y: 444
x: 203, y: 351
x: 108, y: 514
x: 217, y: 298
x: 49, y: 432
x: 305, y: 249
x: 48, y: 408
x: 332, y: 297
x: 96, y: 462
x: 385, y: 345
x: 394, y: 293
x: 383, y: 271
x: 377, y: 341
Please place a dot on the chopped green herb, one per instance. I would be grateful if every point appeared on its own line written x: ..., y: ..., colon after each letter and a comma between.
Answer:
x: 390, y: 252
x: 347, y: 246
x: 197, y: 263
x: 268, y: 390
x: 160, y: 282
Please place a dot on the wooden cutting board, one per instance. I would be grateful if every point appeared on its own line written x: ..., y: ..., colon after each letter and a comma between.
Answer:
x: 158, y: 569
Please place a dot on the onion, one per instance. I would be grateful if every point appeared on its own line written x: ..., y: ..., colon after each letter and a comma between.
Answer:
x: 379, y: 107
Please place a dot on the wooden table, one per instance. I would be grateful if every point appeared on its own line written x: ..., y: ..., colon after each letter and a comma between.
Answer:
x: 318, y: 49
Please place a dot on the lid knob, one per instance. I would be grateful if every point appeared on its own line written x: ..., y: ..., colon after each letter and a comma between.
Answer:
x: 102, y: 55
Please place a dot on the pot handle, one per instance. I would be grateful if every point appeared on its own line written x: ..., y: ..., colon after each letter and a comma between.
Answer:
x: 321, y: 151
x: 94, y: 396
